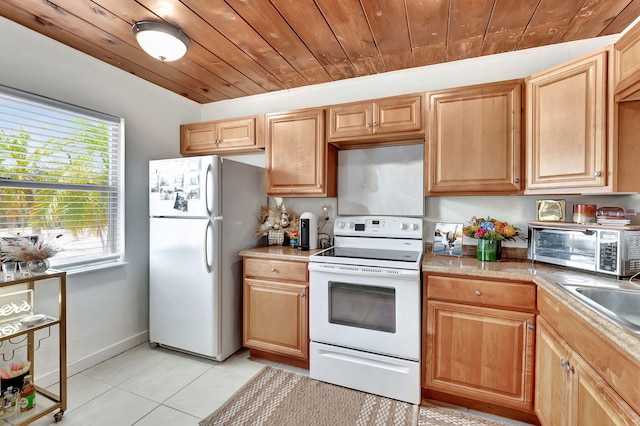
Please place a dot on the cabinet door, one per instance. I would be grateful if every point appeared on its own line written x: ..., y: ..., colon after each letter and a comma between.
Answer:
x: 480, y: 353
x: 388, y: 121
x: 594, y: 402
x: 627, y: 65
x: 350, y: 120
x: 398, y: 114
x: 275, y: 317
x: 198, y: 138
x: 234, y: 134
x: 298, y: 160
x: 553, y: 383
x: 567, y: 125
x: 242, y: 135
x: 475, y: 139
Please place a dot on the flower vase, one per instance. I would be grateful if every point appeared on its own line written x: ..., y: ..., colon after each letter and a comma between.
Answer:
x: 38, y: 266
x: 489, y: 250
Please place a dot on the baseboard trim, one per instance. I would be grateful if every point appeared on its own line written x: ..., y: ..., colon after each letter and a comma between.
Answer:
x: 51, y: 378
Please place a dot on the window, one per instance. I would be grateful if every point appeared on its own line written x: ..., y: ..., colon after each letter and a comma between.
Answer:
x: 61, y: 177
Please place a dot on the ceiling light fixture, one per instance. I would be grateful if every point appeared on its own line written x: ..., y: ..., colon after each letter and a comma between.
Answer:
x: 160, y: 40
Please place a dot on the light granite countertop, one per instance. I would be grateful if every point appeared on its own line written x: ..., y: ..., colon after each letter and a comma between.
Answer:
x: 279, y: 253
x: 546, y: 277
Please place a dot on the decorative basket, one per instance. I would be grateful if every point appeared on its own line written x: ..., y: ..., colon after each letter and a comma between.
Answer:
x: 275, y: 238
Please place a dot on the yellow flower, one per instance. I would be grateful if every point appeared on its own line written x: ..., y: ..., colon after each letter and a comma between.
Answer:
x: 508, y: 231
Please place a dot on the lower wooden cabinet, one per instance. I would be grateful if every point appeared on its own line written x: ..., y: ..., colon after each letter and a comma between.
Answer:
x: 481, y: 353
x: 479, y: 343
x: 569, y: 391
x: 275, y: 309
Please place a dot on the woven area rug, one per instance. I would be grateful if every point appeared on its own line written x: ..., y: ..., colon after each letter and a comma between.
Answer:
x: 277, y: 397
x: 441, y: 416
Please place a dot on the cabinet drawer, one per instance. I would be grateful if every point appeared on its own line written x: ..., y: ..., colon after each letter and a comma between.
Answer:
x: 275, y: 269
x: 521, y: 296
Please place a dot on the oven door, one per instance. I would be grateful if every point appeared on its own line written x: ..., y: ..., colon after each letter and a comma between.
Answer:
x: 370, y: 309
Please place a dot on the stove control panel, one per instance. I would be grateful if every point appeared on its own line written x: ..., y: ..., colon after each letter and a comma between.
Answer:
x: 378, y: 226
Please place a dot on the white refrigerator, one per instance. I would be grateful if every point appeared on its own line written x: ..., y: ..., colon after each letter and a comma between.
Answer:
x: 203, y: 211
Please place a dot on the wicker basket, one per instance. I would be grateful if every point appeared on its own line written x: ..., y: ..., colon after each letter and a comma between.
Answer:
x: 275, y: 238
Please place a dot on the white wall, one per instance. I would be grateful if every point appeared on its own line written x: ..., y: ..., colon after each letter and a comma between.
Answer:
x: 108, y: 309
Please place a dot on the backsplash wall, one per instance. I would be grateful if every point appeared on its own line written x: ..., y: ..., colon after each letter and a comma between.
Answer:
x: 516, y: 209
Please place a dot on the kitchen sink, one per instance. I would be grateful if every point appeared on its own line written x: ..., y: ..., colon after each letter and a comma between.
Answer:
x: 621, y: 305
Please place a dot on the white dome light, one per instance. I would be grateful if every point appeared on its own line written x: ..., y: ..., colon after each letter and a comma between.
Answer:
x: 160, y: 40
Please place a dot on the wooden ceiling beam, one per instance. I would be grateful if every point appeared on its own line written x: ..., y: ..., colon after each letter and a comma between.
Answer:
x: 349, y: 23
x: 388, y: 22
x: 468, y: 21
x: 306, y: 20
x: 428, y: 26
x: 266, y: 21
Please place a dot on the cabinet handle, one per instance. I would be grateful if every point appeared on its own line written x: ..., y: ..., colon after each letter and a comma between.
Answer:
x: 273, y: 269
x: 567, y: 367
x: 368, y: 125
x: 597, y: 173
x: 517, y: 180
x: 478, y: 293
x: 375, y: 124
x: 531, y: 326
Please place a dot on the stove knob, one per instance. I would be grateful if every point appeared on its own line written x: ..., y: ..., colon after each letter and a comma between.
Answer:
x: 415, y: 226
x: 340, y: 225
x: 352, y: 225
x: 403, y: 226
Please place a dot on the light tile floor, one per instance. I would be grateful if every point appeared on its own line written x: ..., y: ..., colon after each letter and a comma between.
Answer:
x: 153, y: 386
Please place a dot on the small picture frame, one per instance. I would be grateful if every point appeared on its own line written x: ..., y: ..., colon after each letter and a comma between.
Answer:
x: 447, y: 239
x: 552, y: 210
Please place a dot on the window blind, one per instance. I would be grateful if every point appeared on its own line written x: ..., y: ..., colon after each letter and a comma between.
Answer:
x: 61, y: 177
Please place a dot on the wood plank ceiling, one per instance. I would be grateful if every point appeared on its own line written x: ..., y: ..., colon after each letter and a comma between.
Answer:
x: 246, y: 47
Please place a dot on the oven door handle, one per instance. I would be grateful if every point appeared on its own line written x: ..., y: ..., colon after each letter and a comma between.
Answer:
x: 400, y: 274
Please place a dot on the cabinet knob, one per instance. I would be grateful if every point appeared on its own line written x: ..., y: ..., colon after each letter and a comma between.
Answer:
x: 273, y: 269
x: 597, y: 173
x: 531, y: 326
x: 478, y: 293
x: 368, y: 125
x: 517, y: 180
x: 375, y: 124
x: 302, y: 294
x: 567, y: 367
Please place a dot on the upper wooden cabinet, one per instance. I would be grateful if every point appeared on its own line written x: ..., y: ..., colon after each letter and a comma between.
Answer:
x: 474, y: 140
x: 566, y: 130
x: 298, y: 160
x: 381, y: 121
x: 627, y: 66
x: 237, y: 136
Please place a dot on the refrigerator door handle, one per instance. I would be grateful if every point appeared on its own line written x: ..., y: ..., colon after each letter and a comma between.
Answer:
x: 207, y: 237
x: 207, y: 198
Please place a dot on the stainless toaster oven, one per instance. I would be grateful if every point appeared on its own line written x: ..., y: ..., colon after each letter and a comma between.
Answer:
x: 608, y: 250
